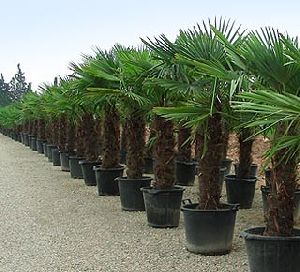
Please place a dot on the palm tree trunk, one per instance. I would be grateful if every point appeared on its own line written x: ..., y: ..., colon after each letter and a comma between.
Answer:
x: 62, y: 133
x: 70, y: 141
x: 149, y: 146
x: 111, y: 139
x: 79, y: 139
x: 99, y: 135
x: 164, y: 167
x: 135, y: 146
x: 245, y: 157
x: 184, y: 144
x: 209, y: 165
x: 280, y: 219
x: 199, y: 143
x: 89, y: 137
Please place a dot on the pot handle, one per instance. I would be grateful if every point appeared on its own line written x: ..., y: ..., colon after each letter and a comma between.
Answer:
x: 235, y: 207
x: 186, y: 201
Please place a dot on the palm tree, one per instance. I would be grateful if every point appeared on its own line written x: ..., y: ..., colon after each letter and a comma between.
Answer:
x: 273, y: 61
x: 199, y: 49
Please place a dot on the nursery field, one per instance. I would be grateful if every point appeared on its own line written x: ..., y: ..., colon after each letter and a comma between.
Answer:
x: 50, y: 222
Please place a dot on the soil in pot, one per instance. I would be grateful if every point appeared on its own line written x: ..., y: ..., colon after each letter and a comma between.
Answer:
x: 209, y: 232
x: 240, y: 191
x: 64, y: 161
x: 75, y: 168
x: 88, y: 172
x: 55, y: 157
x: 265, y: 191
x: 185, y: 172
x: 163, y: 206
x: 130, y: 193
x: 272, y: 253
x: 107, y: 184
x: 148, y: 166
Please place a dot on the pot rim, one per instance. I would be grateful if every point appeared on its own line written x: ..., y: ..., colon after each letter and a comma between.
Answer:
x: 94, y: 163
x: 97, y: 168
x: 125, y: 179
x: 154, y: 191
x: 192, y: 162
x: 75, y: 157
x: 248, y: 235
x: 228, y: 207
x: 234, y: 177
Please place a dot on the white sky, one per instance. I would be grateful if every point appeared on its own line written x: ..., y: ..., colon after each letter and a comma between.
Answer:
x: 44, y: 36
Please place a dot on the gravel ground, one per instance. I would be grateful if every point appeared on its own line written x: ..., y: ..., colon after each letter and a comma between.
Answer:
x: 50, y: 222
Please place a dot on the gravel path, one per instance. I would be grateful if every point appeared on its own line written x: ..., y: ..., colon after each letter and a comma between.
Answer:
x: 50, y: 222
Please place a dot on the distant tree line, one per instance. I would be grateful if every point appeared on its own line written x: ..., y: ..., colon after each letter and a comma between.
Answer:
x: 14, y: 89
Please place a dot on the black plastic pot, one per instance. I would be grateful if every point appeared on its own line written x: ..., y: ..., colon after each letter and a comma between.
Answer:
x: 88, y: 172
x: 130, y: 193
x: 148, y: 166
x: 55, y: 157
x: 26, y: 139
x: 64, y: 161
x: 123, y: 154
x: 265, y: 191
x: 45, y: 148
x: 39, y: 146
x: 222, y: 174
x: 272, y: 253
x: 49, y: 151
x: 163, y: 206
x: 107, y: 184
x: 75, y: 168
x: 33, y: 143
x: 253, y: 169
x: 227, y: 164
x: 240, y: 191
x: 185, y: 172
x: 209, y: 232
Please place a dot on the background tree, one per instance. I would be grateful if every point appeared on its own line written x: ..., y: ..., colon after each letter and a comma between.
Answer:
x: 18, y: 85
x: 4, y: 92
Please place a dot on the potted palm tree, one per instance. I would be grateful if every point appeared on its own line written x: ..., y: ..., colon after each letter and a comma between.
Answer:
x: 98, y: 72
x: 274, y: 60
x: 200, y: 49
x: 131, y: 97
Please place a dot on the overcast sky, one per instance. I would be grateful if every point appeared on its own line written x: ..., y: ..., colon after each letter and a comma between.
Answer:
x: 44, y: 36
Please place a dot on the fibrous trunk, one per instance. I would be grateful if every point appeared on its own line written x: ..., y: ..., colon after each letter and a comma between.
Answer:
x: 111, y: 139
x: 70, y: 141
x: 79, y: 139
x: 41, y: 129
x: 209, y: 165
x: 184, y: 144
x: 280, y: 219
x: 124, y: 135
x: 99, y: 134
x: 225, y: 139
x: 149, y: 145
x: 135, y: 131
x: 62, y: 133
x: 245, y: 157
x: 164, y: 167
x: 89, y: 137
x: 199, y: 143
